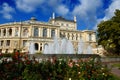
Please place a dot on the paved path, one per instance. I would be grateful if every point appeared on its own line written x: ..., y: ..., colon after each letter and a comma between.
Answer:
x: 115, y: 71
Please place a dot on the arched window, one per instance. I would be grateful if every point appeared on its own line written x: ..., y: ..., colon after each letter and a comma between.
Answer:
x: 52, y: 33
x: 68, y: 35
x: 10, y: 32
x: 45, y: 45
x: 36, y: 46
x: 36, y: 32
x: 6, y: 51
x: 72, y: 36
x: 64, y: 34
x: 44, y: 32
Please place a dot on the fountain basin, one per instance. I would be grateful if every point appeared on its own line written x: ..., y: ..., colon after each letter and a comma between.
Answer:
x: 72, y: 56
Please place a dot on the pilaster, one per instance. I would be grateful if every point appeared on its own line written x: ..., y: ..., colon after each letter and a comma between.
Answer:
x: 48, y: 35
x: 7, y: 32
x: 1, y: 32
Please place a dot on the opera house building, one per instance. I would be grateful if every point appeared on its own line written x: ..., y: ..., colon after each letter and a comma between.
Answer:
x: 17, y: 35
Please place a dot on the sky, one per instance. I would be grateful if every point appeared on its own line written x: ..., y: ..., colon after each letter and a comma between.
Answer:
x: 89, y: 13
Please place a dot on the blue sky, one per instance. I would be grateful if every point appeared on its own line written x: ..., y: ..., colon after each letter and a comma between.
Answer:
x: 88, y: 12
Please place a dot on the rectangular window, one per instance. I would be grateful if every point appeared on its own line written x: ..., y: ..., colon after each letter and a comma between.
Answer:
x: 52, y: 33
x: 1, y: 44
x: 8, y: 43
x: 24, y: 42
x: 90, y: 37
x: 36, y: 32
x: 44, y: 32
x: 25, y: 32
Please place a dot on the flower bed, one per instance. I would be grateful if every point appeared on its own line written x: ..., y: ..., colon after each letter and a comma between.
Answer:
x: 23, y: 68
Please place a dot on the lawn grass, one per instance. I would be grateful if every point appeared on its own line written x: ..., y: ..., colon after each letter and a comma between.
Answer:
x: 114, y: 77
x: 116, y: 65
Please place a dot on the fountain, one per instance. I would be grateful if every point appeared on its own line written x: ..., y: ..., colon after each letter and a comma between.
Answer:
x: 80, y: 47
x: 70, y: 49
x: 89, y: 50
x: 63, y: 48
x: 31, y: 48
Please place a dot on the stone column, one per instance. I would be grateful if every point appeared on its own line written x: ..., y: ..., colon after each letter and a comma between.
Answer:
x: 66, y: 35
x: 50, y: 32
x: 19, y: 31
x: 4, y: 43
x: 43, y: 46
x: 58, y: 33
x: 32, y: 31
x: 48, y: 35
x: 78, y: 37
x: 41, y: 32
x: 13, y: 32
x: 7, y: 32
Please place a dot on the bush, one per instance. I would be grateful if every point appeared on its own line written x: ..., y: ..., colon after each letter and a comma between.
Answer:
x: 23, y: 68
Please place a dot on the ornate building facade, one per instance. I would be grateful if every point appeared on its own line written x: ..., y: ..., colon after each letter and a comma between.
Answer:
x: 17, y: 35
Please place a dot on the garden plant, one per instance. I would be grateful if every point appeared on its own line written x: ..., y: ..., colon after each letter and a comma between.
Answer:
x: 22, y: 67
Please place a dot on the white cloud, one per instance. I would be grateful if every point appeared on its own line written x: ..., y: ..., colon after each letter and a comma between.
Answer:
x: 98, y: 21
x: 28, y: 5
x: 53, y: 3
x: 109, y: 12
x: 86, y: 7
x: 6, y: 11
x: 33, y: 5
x: 87, y: 11
x: 62, y: 10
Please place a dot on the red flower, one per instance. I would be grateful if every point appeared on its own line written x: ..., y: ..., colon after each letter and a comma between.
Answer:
x: 70, y: 64
x: 16, y: 53
x: 0, y: 54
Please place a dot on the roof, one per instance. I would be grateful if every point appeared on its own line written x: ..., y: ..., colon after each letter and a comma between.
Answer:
x: 63, y: 19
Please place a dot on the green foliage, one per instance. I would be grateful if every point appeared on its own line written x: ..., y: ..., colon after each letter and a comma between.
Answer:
x: 116, y: 65
x: 23, y: 68
x: 109, y: 34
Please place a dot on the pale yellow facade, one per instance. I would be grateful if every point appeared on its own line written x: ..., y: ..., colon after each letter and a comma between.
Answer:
x: 18, y: 35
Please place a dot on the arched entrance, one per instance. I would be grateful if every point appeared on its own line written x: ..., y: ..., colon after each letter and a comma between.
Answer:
x: 45, y: 45
x: 36, y: 46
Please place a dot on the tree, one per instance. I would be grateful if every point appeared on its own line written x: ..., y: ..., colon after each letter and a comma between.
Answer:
x: 109, y: 34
